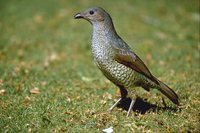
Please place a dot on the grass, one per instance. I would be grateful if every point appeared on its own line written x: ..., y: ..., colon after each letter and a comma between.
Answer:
x: 43, y: 50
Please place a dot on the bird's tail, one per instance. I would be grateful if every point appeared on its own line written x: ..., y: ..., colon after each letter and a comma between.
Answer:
x: 168, y: 92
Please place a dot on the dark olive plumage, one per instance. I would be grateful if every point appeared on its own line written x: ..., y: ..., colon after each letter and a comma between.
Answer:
x: 117, y: 61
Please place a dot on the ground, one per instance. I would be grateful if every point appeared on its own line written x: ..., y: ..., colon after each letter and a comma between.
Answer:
x: 49, y: 82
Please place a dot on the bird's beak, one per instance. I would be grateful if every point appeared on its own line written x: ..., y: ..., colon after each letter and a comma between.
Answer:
x: 78, y: 16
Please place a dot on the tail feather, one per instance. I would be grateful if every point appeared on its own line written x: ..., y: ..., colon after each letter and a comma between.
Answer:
x: 168, y: 92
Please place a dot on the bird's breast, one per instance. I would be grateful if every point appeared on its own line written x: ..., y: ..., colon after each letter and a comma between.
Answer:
x: 114, y: 71
x: 102, y: 54
x: 101, y: 49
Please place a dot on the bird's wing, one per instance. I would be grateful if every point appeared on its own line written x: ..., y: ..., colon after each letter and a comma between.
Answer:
x: 131, y: 60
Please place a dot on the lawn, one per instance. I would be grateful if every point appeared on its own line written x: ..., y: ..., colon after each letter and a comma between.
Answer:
x: 49, y: 82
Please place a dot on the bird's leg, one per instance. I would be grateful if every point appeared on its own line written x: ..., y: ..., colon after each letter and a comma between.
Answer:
x: 133, y: 99
x: 114, y: 105
x: 123, y: 96
x: 130, y: 107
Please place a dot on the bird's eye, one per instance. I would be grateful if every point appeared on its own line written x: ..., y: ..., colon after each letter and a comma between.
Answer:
x: 91, y: 12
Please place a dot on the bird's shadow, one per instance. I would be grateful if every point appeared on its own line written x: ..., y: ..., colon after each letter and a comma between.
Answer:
x: 143, y: 106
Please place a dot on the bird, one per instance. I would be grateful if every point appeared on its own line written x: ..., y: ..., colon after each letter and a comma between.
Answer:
x: 118, y: 62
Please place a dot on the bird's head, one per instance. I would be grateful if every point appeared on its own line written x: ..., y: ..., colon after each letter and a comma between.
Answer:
x: 93, y: 15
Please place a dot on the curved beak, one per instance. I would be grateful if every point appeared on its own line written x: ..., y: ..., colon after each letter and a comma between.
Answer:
x: 78, y: 16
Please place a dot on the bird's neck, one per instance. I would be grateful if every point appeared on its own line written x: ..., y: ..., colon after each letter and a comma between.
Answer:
x: 102, y: 37
x: 104, y: 29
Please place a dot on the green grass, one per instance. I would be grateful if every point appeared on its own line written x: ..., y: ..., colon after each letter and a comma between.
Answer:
x: 42, y: 46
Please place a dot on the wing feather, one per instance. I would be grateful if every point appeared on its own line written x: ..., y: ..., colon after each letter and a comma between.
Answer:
x: 131, y: 60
